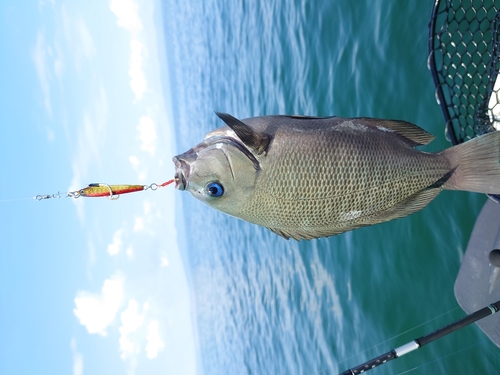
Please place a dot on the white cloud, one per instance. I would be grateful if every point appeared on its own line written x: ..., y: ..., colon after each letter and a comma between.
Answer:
x: 76, y: 183
x: 147, y: 134
x: 115, y: 247
x: 85, y: 39
x: 40, y: 58
x: 164, y: 262
x: 92, y: 252
x: 78, y: 38
x: 97, y: 311
x: 133, y: 160
x: 139, y: 224
x: 58, y: 61
x: 131, y: 322
x: 51, y: 135
x: 43, y: 3
x: 86, y: 139
x: 77, y: 359
x: 137, y: 78
x: 155, y: 343
x: 126, y: 12
x: 147, y: 207
x: 91, y: 135
x: 131, y: 333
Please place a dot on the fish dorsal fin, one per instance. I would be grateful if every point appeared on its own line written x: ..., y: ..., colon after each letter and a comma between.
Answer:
x: 305, y: 117
x: 256, y: 141
x: 411, y: 133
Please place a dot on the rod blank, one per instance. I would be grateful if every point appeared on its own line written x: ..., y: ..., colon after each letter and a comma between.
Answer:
x: 418, y: 343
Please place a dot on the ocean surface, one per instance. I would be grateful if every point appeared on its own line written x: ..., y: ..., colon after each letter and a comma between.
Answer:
x: 264, y: 305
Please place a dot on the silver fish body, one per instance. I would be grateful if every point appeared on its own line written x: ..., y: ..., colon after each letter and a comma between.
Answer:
x: 308, y: 177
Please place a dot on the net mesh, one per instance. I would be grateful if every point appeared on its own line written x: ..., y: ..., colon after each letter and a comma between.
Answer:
x: 464, y: 58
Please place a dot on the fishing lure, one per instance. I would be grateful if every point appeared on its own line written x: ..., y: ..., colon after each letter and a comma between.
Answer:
x: 112, y: 192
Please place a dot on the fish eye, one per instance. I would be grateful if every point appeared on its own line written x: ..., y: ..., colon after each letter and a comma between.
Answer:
x: 214, y: 189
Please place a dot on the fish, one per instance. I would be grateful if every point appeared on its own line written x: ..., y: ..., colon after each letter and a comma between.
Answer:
x: 307, y: 177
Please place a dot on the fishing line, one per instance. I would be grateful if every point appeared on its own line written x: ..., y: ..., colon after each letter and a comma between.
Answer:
x: 411, y: 329
x: 112, y: 192
x: 16, y: 200
x: 417, y: 343
x: 389, y: 339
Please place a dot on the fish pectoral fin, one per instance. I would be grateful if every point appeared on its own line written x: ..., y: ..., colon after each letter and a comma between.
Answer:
x: 257, y: 142
x: 296, y: 235
x: 307, y: 235
x: 283, y: 234
x: 407, y: 206
x: 411, y: 134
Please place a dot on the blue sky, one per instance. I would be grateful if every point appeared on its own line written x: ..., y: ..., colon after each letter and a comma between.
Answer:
x: 88, y: 285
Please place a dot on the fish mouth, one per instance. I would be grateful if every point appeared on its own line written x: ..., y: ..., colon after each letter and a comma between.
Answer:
x: 181, y: 172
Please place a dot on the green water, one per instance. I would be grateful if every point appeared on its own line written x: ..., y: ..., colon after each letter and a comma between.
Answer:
x: 264, y: 305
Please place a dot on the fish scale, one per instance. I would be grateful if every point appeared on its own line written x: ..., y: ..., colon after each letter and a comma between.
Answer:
x: 309, y: 177
x: 334, y: 188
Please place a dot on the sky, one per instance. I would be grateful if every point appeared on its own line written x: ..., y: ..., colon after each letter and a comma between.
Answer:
x: 88, y: 285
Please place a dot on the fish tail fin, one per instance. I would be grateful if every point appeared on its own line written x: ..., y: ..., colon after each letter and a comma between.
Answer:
x: 475, y: 165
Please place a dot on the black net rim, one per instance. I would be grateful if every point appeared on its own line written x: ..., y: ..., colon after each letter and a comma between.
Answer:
x: 464, y: 40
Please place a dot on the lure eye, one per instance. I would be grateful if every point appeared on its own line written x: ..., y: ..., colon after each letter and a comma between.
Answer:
x: 214, y: 189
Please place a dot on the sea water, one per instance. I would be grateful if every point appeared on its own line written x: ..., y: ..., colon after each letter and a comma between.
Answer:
x: 264, y: 305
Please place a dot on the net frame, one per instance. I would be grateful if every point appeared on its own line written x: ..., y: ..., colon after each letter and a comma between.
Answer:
x: 464, y: 60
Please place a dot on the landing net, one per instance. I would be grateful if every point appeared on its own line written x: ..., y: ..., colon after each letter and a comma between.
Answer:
x: 464, y: 58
